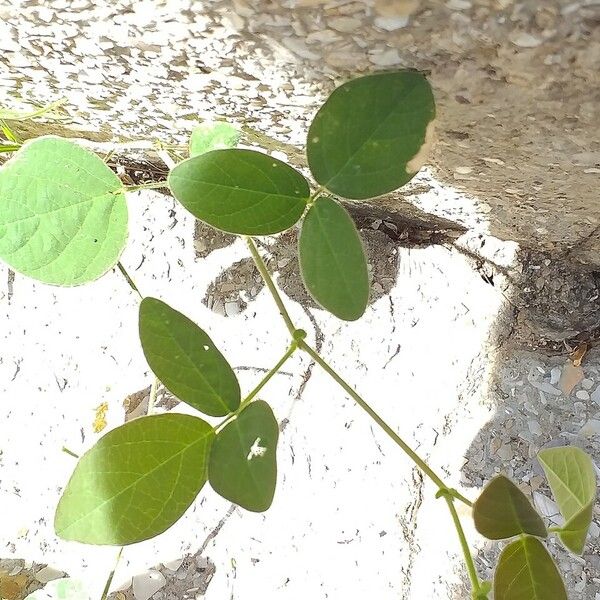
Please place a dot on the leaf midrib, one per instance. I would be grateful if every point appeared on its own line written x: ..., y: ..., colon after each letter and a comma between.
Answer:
x: 200, y: 439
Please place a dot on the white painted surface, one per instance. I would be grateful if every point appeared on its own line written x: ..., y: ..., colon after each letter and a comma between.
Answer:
x: 342, y: 482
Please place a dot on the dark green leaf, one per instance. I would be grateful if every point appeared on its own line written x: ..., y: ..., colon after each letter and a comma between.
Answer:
x: 527, y: 572
x: 240, y: 191
x: 136, y: 481
x: 185, y: 359
x: 213, y: 136
x: 243, y: 461
x: 64, y: 217
x: 372, y: 135
x: 571, y: 476
x: 332, y: 260
x: 502, y: 511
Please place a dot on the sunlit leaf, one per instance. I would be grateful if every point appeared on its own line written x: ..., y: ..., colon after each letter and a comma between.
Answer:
x: 213, y: 136
x: 243, y: 465
x: 64, y: 217
x: 136, y: 481
x: 332, y: 260
x: 503, y: 511
x: 572, y: 478
x: 527, y: 572
x: 373, y: 134
x: 186, y: 360
x: 240, y: 191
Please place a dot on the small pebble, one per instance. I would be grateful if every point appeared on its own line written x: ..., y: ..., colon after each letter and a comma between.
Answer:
x: 583, y: 395
x: 587, y: 384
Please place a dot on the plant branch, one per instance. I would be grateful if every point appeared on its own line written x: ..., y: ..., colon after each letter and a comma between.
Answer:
x: 111, y: 575
x: 367, y: 408
x: 464, y: 545
x: 129, y: 280
x: 24, y: 116
x: 262, y: 267
x: 261, y: 384
x: 151, y: 185
x: 152, y: 397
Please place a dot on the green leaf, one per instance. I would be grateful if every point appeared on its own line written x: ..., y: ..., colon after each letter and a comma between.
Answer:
x: 572, y: 478
x: 503, y: 511
x: 136, y: 481
x: 527, y: 572
x: 213, y: 136
x: 332, y: 260
x: 64, y: 217
x: 240, y: 191
x: 372, y: 134
x: 243, y: 461
x: 186, y: 360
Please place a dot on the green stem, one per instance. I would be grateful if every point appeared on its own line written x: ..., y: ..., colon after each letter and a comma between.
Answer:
x: 151, y: 185
x: 463, y: 544
x: 262, y: 267
x: 110, y: 577
x: 367, y: 408
x: 261, y: 384
x: 16, y: 116
x: 152, y: 398
x: 316, y: 194
x: 129, y: 280
x: 449, y: 494
x: 69, y: 452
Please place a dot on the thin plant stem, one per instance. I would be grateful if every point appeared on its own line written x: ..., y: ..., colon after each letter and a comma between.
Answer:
x: 449, y: 494
x: 152, y: 398
x: 262, y: 267
x: 16, y: 116
x: 316, y: 194
x: 69, y: 452
x: 111, y: 575
x: 261, y: 384
x: 151, y: 185
x: 463, y: 544
x: 129, y: 280
x: 367, y: 408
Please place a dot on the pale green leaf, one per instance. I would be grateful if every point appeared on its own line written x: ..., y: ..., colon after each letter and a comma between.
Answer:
x: 572, y: 478
x: 503, y: 511
x: 332, y: 260
x: 136, y: 481
x: 186, y: 360
x: 240, y: 191
x: 64, y: 217
x: 213, y: 136
x: 527, y: 572
x: 243, y: 462
x: 373, y: 134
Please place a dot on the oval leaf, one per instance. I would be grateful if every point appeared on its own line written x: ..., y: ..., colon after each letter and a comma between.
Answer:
x: 64, y: 217
x: 240, y: 191
x: 503, y: 511
x: 332, y: 260
x: 185, y: 359
x: 213, y: 136
x: 572, y: 478
x: 136, y: 481
x: 527, y: 572
x: 243, y: 462
x: 372, y: 134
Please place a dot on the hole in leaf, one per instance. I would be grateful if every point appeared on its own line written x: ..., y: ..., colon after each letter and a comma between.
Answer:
x: 256, y: 450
